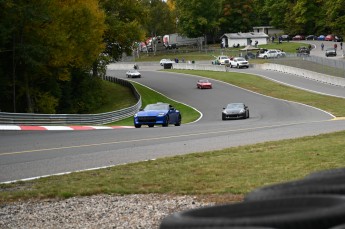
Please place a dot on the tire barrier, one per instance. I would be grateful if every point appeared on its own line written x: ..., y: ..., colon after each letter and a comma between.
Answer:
x: 315, y: 202
x: 297, y: 212
x: 327, y: 173
x: 334, y: 185
x: 342, y: 226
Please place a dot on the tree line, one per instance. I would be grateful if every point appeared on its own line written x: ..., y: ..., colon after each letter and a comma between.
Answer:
x: 53, y: 52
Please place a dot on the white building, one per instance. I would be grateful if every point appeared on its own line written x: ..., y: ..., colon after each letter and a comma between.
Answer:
x: 244, y: 39
x: 269, y: 30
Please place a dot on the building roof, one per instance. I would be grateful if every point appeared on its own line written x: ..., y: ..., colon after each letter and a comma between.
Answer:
x: 244, y: 35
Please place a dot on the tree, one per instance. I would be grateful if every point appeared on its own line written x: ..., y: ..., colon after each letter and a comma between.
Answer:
x: 335, y: 16
x: 303, y: 16
x: 198, y: 17
x: 237, y: 16
x: 161, y: 19
x: 124, y: 20
x: 46, y: 39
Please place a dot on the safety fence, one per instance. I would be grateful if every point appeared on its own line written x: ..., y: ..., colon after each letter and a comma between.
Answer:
x: 70, y: 119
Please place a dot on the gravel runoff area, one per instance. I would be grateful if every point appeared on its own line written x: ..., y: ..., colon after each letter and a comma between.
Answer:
x: 100, y: 211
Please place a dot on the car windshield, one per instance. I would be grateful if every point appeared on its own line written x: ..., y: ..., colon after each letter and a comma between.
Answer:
x: 224, y: 57
x: 157, y: 107
x: 240, y: 59
x: 235, y: 106
x: 203, y: 81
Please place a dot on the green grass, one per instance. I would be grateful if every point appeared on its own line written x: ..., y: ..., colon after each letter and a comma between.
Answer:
x: 118, y: 97
x: 236, y: 170
x: 149, y: 96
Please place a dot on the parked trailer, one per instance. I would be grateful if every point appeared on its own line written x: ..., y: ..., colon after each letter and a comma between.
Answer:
x: 174, y: 40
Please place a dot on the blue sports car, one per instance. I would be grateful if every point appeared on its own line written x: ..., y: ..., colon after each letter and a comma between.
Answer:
x: 157, y: 114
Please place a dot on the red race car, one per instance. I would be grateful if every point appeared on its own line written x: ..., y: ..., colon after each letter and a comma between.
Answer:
x: 204, y: 84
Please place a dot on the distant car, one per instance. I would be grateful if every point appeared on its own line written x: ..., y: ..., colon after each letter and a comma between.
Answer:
x: 250, y: 55
x: 271, y: 53
x: 235, y: 110
x: 239, y: 62
x: 311, y: 37
x: 331, y: 52
x: 303, y: 51
x: 285, y: 37
x: 222, y: 60
x: 298, y: 38
x: 321, y: 38
x: 204, y: 84
x: 166, y: 61
x: 338, y: 39
x: 157, y: 114
x: 329, y: 37
x: 133, y: 73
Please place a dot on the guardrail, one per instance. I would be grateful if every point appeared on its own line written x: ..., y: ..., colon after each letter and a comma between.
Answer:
x: 80, y: 119
x: 333, y: 80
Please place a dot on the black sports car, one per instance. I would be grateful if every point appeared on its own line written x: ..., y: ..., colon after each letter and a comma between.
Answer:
x: 235, y: 110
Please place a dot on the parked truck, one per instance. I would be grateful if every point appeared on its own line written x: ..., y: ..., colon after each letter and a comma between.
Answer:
x: 174, y: 40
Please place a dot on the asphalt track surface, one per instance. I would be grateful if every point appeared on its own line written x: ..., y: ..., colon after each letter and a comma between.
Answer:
x: 30, y: 154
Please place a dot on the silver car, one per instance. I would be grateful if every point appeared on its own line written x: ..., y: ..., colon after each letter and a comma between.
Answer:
x: 235, y: 110
x: 133, y: 73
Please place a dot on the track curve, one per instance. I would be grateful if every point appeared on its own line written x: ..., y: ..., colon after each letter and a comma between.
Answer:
x: 52, y: 152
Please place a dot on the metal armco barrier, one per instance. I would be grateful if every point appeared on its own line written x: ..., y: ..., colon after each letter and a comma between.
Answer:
x: 80, y: 119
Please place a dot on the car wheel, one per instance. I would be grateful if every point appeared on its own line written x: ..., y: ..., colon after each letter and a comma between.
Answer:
x: 178, y: 121
x: 248, y: 114
x: 223, y: 117
x: 265, y: 57
x: 137, y: 125
x: 238, y: 66
x: 166, y: 123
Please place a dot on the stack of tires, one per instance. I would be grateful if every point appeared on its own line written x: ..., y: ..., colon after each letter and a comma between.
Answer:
x: 314, y: 202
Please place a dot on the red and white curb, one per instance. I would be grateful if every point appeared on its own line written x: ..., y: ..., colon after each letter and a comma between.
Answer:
x: 15, y: 127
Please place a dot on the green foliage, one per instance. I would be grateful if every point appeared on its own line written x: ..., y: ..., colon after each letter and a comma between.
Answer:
x: 40, y: 42
x: 82, y: 94
x: 237, y: 16
x: 198, y: 17
x: 160, y: 19
x: 124, y: 19
x: 45, y: 103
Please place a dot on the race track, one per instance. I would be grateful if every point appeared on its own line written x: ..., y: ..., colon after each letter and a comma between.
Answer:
x: 27, y: 154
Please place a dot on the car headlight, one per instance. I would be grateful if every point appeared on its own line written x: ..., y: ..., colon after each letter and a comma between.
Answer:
x: 242, y: 111
x: 161, y: 114
x: 136, y: 115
